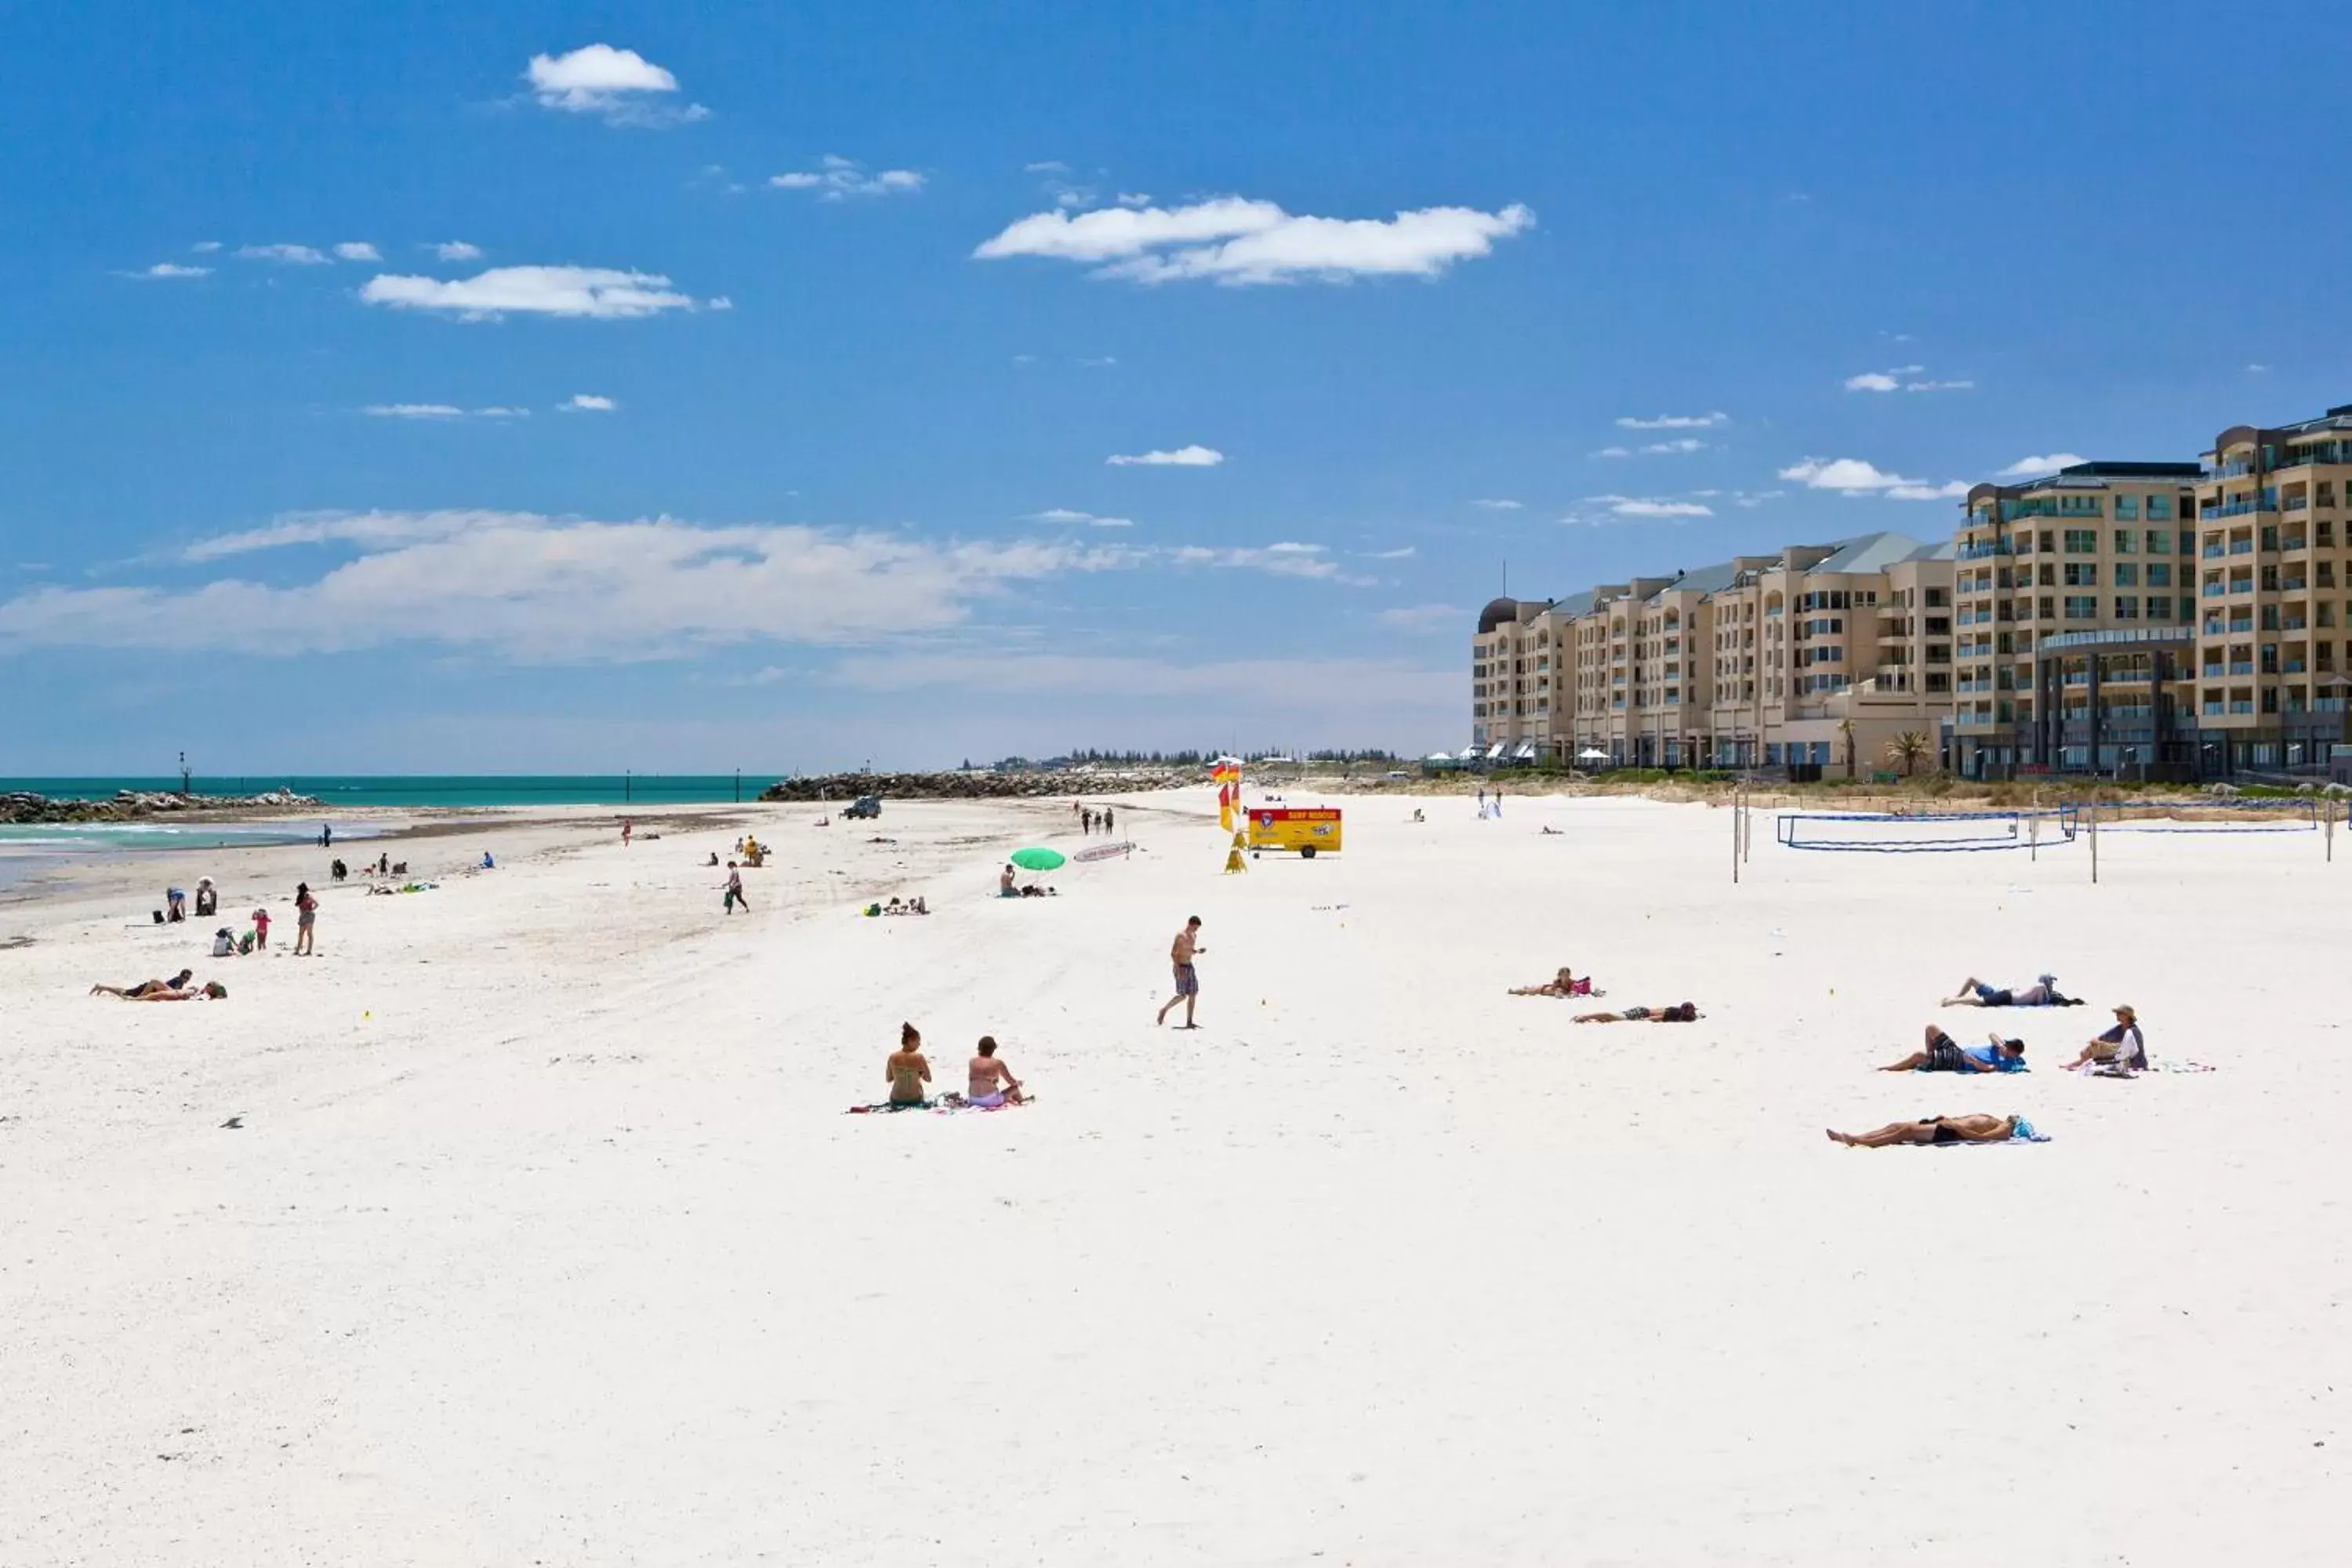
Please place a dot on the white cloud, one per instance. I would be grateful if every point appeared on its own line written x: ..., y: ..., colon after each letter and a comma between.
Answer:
x: 1235, y: 241
x: 2032, y: 467
x: 1421, y: 617
x: 1182, y: 457
x: 536, y: 587
x: 1497, y: 503
x: 292, y: 254
x: 1045, y: 166
x: 1402, y: 553
x: 1611, y: 452
x: 621, y: 85
x: 1852, y: 477
x: 413, y: 411
x: 1894, y: 380
x: 1100, y: 361
x: 171, y: 270
x: 1285, y: 560
x: 545, y: 588
x: 1637, y: 509
x: 1755, y: 498
x: 588, y: 403
x: 1067, y: 517
x: 457, y: 250
x: 1133, y: 198
x: 1675, y: 421
x: 2258, y: 370
x: 840, y: 178
x: 1681, y: 444
x: 357, y: 250
x: 718, y: 302
x: 598, y: 293
x: 497, y: 412
x: 206, y: 246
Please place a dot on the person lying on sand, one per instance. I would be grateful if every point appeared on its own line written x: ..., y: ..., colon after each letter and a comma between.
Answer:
x: 1560, y: 984
x: 146, y: 988
x: 1944, y: 1055
x: 1974, y: 1128
x: 907, y: 1070
x: 1683, y: 1013
x: 2122, y: 1049
x: 989, y: 1083
x: 213, y: 992
x: 2043, y: 993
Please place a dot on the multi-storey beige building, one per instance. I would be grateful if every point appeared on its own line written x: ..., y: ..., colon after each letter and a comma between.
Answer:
x: 2076, y: 613
x: 2274, y: 567
x: 1757, y: 661
x: 2185, y: 619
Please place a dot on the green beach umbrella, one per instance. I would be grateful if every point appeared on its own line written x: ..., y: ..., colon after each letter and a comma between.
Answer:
x: 1038, y: 859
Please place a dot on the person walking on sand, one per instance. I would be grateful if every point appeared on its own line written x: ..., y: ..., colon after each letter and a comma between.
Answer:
x: 735, y: 890
x: 261, y: 928
x: 1181, y: 953
x: 1106, y: 819
x: 989, y: 1083
x: 627, y: 827
x: 907, y: 1070
x: 306, y: 921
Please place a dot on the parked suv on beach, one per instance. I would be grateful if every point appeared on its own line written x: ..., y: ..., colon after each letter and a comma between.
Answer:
x: 866, y: 805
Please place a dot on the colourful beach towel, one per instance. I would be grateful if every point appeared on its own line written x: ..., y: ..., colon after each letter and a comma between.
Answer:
x: 2024, y: 1133
x: 946, y: 1104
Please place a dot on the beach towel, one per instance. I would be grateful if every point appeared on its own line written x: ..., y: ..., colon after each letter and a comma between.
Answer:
x: 2025, y: 1133
x: 2006, y: 1064
x: 946, y: 1105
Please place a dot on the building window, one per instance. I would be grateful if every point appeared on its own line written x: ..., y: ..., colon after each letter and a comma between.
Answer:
x: 2159, y: 606
x: 2159, y: 540
x: 2082, y: 542
x: 2126, y: 510
x: 2188, y: 608
x: 2081, y: 573
x: 2127, y: 607
x: 2082, y: 607
x: 2127, y: 574
x: 2159, y: 509
x: 2160, y: 574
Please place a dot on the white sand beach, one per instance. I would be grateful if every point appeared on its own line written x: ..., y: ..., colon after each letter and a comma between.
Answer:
x: 543, y: 1236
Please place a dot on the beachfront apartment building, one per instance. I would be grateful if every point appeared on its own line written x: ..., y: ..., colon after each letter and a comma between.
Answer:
x: 1763, y: 661
x: 2076, y: 613
x: 2273, y: 595
x: 2188, y: 619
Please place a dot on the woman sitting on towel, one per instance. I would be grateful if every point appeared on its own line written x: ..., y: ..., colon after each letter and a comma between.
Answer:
x: 990, y: 1082
x: 1943, y: 1054
x: 1683, y: 1013
x: 1975, y: 1129
x: 907, y: 1070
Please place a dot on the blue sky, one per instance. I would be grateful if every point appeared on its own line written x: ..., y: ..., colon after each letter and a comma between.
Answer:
x: 864, y: 301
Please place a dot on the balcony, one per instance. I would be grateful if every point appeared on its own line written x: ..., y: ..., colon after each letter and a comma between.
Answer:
x: 2213, y: 552
x: 2246, y: 508
x: 1986, y: 551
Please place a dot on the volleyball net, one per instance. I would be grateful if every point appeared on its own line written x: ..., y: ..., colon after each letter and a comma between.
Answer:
x: 1925, y: 832
x: 2211, y: 814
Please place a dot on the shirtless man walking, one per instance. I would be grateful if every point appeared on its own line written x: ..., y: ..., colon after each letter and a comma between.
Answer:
x: 1186, y: 947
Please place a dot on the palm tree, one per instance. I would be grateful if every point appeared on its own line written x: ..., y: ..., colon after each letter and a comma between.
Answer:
x: 1845, y: 733
x: 1905, y: 750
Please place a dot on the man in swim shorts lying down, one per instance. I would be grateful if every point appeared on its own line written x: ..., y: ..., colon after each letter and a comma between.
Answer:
x: 1683, y: 1013
x: 1974, y: 1128
x: 1945, y: 1055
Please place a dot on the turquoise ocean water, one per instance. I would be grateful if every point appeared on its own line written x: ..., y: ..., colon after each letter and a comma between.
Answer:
x: 434, y: 789
x: 24, y: 847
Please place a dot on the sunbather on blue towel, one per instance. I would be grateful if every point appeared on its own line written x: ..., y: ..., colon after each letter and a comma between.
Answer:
x: 1942, y: 1054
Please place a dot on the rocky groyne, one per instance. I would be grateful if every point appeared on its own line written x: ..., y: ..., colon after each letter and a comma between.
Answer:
x: 131, y: 806
x: 983, y: 786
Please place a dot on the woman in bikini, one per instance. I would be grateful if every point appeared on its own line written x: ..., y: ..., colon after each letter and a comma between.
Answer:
x: 1682, y: 1013
x: 907, y: 1070
x: 989, y: 1081
x: 1973, y: 1128
x: 1560, y: 984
